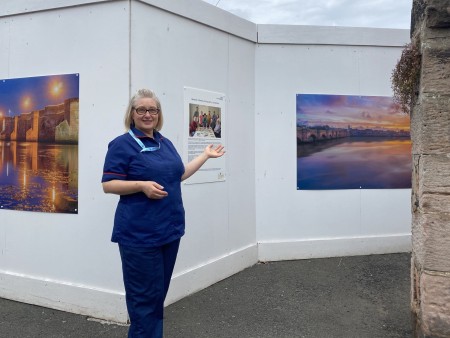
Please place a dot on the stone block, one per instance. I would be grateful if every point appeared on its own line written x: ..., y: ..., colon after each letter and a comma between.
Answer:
x: 417, y: 15
x: 435, y: 304
x: 435, y: 36
x: 430, y: 125
x: 435, y: 76
x: 438, y: 14
x: 435, y: 203
x: 418, y: 242
x: 431, y: 175
x: 431, y: 238
x: 430, y: 184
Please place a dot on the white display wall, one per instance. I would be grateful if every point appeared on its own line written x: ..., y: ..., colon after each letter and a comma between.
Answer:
x: 67, y: 262
x: 64, y: 261
x: 291, y: 223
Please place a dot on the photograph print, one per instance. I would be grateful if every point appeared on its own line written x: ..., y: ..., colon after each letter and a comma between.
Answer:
x: 204, y: 121
x: 39, y: 143
x: 352, y: 142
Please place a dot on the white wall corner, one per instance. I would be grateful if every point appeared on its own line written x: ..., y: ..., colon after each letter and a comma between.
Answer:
x: 333, y: 247
x: 200, y: 277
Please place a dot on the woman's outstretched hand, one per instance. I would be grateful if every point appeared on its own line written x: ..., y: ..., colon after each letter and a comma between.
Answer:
x: 211, y: 152
x: 196, y: 163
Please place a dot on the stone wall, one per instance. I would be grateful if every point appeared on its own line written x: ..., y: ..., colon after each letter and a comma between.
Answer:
x: 67, y: 130
x: 430, y: 133
x: 56, y: 123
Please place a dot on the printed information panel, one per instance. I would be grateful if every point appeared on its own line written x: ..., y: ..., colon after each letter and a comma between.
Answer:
x: 204, y: 120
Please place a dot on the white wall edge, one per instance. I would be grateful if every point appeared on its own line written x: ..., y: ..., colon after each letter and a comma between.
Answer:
x: 210, y: 15
x: 9, y: 8
x: 195, y: 10
x: 332, y: 35
x: 83, y: 300
x: 333, y: 247
x: 200, y: 277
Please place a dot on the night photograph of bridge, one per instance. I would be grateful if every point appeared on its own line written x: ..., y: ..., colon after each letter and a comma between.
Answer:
x: 352, y: 142
x: 39, y: 143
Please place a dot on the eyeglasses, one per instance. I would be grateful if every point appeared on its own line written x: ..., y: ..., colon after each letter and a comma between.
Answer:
x: 142, y: 111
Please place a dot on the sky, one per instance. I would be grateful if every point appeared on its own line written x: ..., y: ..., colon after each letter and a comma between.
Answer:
x: 358, y: 112
x: 347, y: 13
x: 24, y: 95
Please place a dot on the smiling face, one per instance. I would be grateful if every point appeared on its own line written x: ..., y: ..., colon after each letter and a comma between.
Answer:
x: 146, y: 122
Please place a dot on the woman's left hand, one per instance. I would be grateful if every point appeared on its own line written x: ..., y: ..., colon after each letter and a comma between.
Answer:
x: 211, y: 152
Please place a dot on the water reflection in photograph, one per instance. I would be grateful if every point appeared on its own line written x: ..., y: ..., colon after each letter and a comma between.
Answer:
x: 355, y: 163
x: 352, y: 142
x: 38, y: 176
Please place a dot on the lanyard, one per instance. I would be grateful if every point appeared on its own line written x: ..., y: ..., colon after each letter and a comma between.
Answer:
x: 144, y: 148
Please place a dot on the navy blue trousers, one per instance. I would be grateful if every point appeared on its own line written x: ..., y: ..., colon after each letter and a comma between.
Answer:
x: 146, y: 276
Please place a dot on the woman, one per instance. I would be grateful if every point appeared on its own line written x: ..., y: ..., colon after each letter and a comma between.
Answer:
x: 192, y: 128
x: 144, y: 168
x: 217, y: 128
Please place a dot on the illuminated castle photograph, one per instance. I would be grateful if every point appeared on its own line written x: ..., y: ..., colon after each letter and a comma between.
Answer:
x: 39, y: 143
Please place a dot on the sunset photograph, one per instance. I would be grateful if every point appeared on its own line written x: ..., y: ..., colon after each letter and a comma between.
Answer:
x: 358, y: 112
x: 352, y: 142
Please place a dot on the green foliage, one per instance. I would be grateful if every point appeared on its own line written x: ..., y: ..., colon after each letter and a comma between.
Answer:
x: 405, y: 77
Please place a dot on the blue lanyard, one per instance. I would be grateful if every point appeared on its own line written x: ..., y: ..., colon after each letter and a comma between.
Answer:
x: 144, y: 148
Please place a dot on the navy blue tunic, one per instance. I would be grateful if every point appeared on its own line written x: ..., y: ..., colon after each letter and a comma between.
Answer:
x: 140, y: 221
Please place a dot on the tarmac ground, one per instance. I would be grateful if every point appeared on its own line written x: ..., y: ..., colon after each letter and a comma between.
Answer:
x: 351, y: 297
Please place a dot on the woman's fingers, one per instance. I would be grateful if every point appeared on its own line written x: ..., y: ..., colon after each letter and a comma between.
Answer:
x: 154, y: 190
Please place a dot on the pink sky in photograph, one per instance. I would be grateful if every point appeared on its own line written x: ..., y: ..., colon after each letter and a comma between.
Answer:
x: 358, y: 112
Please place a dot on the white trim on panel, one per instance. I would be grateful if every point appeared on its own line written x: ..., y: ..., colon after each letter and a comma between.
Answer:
x: 79, y: 299
x: 209, y: 15
x: 329, y: 35
x: 333, y: 247
x: 196, y: 10
x: 25, y: 6
x: 110, y: 305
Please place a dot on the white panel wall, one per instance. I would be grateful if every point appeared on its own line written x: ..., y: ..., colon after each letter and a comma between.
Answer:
x: 67, y: 261
x: 61, y: 260
x: 295, y: 224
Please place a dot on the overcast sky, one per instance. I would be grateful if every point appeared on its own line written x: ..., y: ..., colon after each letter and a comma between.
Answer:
x: 349, y: 13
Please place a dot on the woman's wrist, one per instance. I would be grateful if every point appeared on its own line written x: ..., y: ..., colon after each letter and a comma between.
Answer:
x: 140, y: 186
x: 205, y: 155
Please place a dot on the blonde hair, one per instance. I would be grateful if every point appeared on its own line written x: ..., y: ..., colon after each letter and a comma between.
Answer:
x: 142, y: 93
